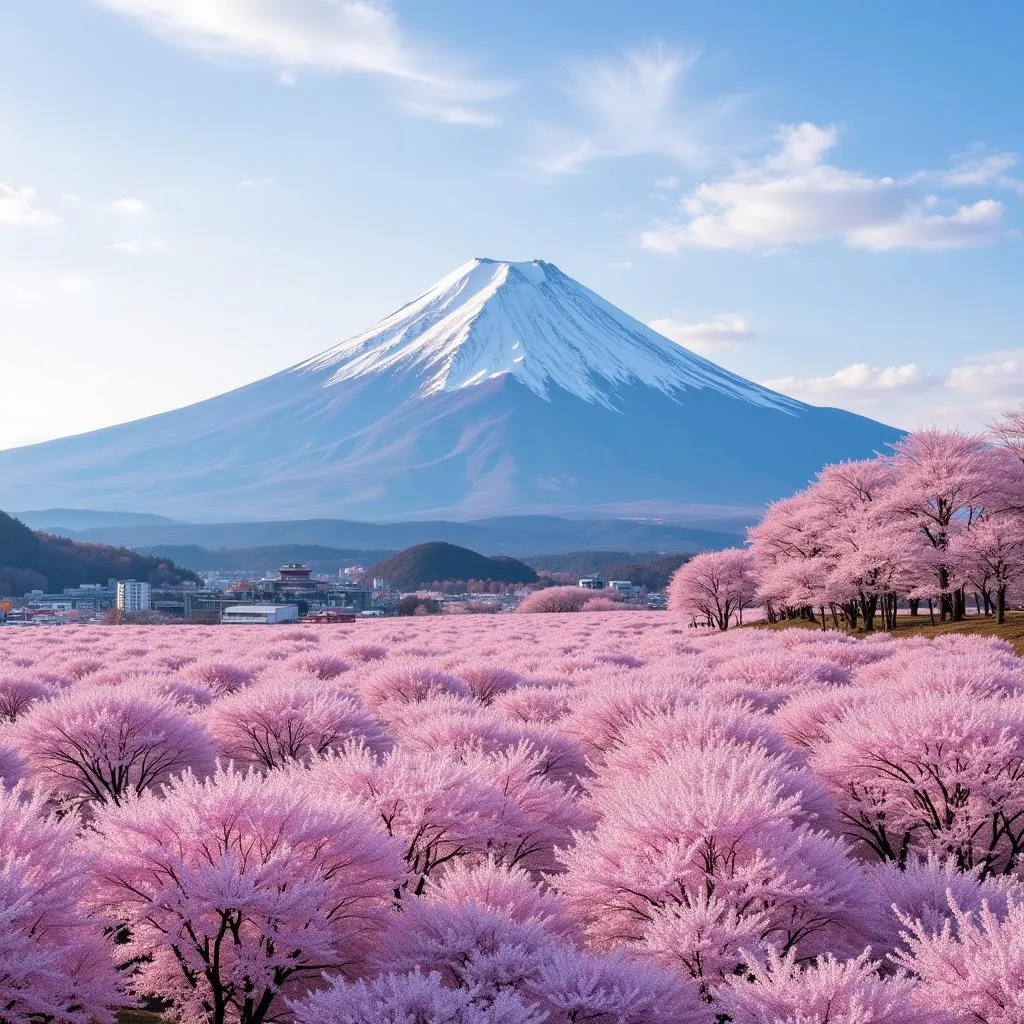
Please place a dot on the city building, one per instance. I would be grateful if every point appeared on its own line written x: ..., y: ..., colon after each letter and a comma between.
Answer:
x: 133, y: 596
x: 595, y: 582
x: 259, y: 614
x: 296, y: 584
x: 192, y: 604
x: 623, y: 586
x: 89, y: 597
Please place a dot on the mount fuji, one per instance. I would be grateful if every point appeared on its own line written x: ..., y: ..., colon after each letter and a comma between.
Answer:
x: 505, y: 389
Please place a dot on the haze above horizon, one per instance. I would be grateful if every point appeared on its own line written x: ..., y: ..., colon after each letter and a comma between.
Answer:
x: 197, y: 194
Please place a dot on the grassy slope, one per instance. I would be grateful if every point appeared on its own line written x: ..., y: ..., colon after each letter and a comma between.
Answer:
x: 1012, y: 631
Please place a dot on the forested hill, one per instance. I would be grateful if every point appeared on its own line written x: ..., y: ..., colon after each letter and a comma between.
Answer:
x: 39, y: 561
x: 438, y: 562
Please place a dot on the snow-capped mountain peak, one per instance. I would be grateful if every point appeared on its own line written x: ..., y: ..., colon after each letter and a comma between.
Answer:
x: 595, y: 414
x: 489, y: 318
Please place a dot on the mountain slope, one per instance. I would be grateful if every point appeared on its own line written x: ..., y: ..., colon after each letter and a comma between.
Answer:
x: 36, y: 560
x: 506, y: 388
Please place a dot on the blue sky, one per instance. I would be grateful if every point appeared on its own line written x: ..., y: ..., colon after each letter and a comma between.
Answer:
x: 196, y: 193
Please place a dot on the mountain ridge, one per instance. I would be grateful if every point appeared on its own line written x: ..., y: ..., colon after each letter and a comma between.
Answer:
x: 517, y: 535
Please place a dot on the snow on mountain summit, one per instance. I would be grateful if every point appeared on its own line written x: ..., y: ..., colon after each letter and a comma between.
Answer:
x: 489, y: 318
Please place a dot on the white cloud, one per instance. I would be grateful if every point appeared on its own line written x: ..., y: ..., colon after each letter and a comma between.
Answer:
x: 981, y: 223
x: 621, y: 264
x: 727, y: 330
x: 135, y: 246
x: 630, y: 105
x: 255, y: 182
x: 129, y: 206
x: 670, y: 182
x: 452, y: 114
x: 793, y: 197
x: 970, y: 394
x: 20, y: 206
x: 858, y: 377
x: 326, y: 36
x: 993, y: 374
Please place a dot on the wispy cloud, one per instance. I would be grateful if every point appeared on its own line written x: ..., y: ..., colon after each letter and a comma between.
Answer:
x: 129, y: 206
x: 628, y: 106
x: 710, y: 337
x: 447, y: 114
x: 977, y: 166
x: 320, y: 36
x: 793, y: 196
x: 20, y: 206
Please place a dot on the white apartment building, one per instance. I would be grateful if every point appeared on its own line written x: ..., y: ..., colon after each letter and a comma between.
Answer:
x: 133, y: 596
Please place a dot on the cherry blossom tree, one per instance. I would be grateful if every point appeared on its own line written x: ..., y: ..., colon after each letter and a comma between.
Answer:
x: 726, y: 850
x: 991, y: 556
x: 104, y: 743
x: 713, y: 588
x: 239, y: 890
x: 269, y: 725
x: 18, y: 693
x: 56, y: 964
x: 788, y: 555
x: 556, y: 599
x: 940, y: 773
x: 943, y: 479
x: 1008, y: 432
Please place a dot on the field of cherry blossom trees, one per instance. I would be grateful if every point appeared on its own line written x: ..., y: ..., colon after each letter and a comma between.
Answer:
x: 604, y: 818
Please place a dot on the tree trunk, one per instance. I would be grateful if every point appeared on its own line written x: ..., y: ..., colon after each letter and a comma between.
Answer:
x: 931, y: 611
x: 915, y: 604
x: 1001, y: 604
x: 868, y: 607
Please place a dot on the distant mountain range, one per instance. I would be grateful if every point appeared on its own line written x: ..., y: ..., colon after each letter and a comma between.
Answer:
x: 505, y: 389
x: 509, y: 535
x: 262, y: 561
